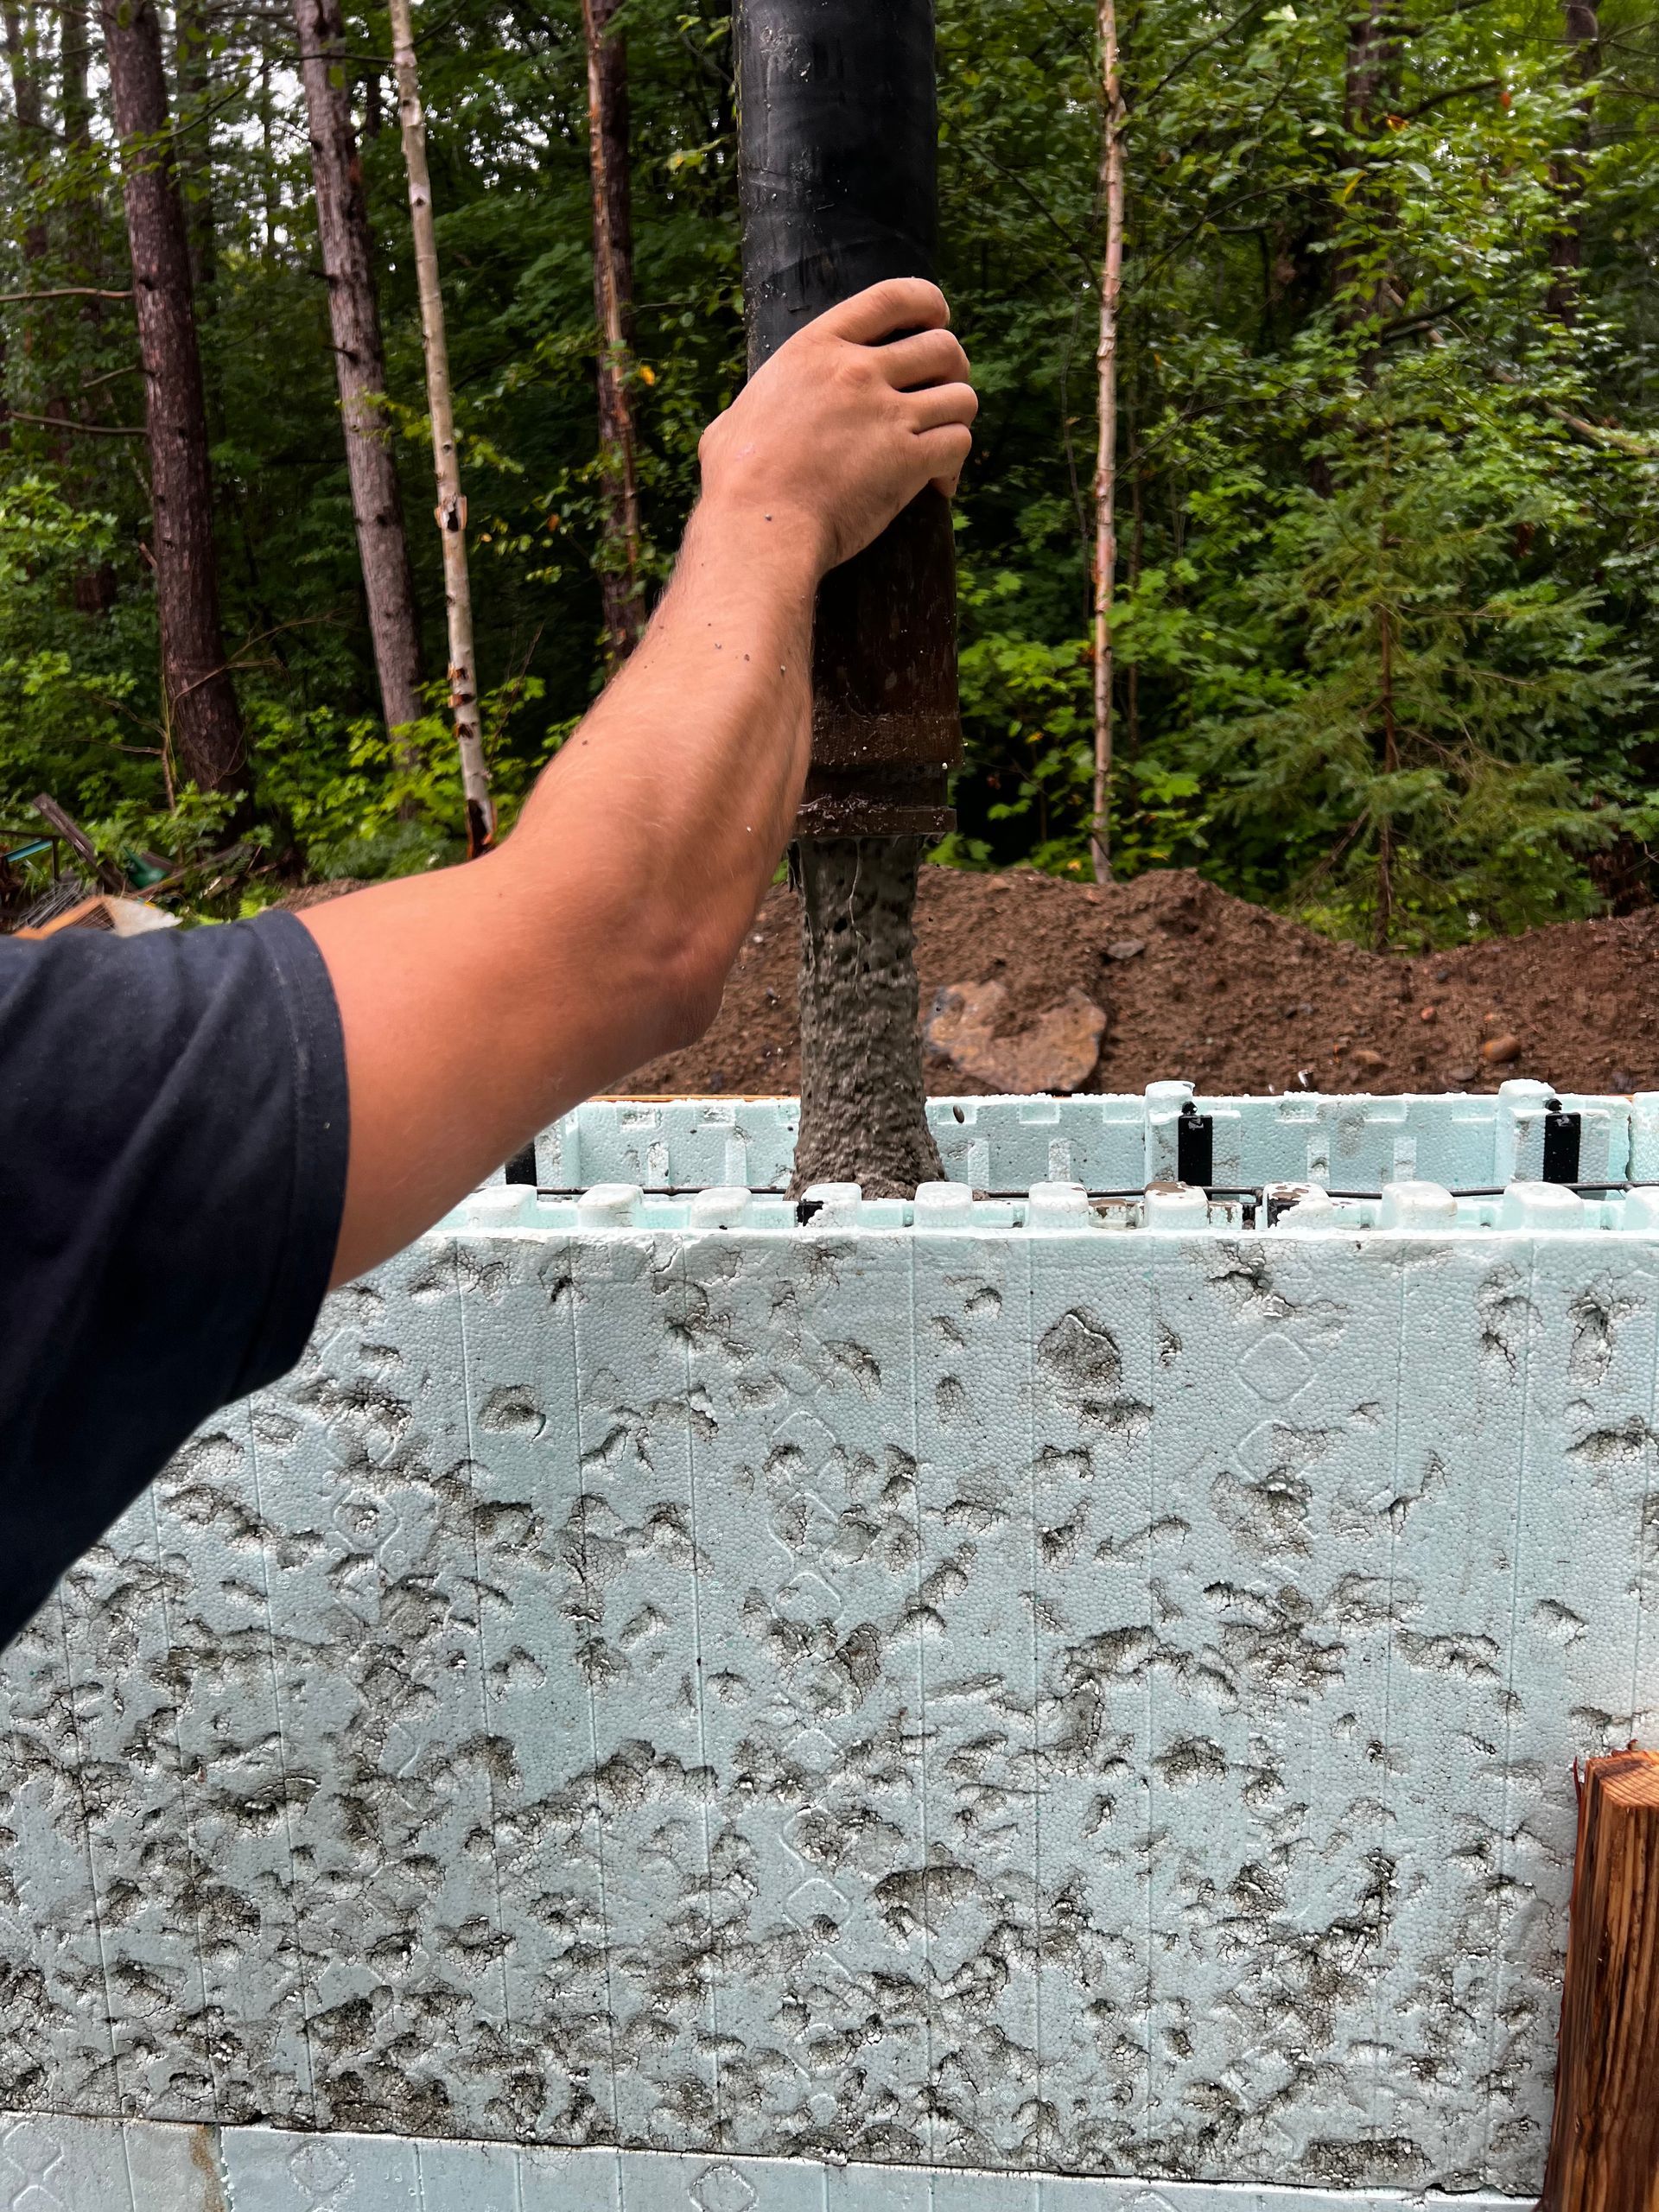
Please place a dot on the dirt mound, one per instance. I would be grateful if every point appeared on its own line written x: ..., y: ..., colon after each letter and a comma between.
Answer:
x: 1199, y: 985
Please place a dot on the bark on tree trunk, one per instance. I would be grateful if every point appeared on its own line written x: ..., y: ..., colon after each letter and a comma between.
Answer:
x: 608, y: 164
x: 451, y: 511
x: 359, y: 360
x: 1111, y: 279
x: 1582, y: 29
x: 203, y: 719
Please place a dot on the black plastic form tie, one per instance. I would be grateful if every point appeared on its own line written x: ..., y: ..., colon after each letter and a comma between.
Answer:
x: 1563, y: 1137
x: 1195, y: 1147
x: 521, y: 1168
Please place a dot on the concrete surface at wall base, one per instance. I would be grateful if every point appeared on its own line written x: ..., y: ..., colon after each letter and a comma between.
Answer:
x: 62, y: 2164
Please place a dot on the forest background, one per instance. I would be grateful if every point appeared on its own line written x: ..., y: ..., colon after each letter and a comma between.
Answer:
x: 1386, y: 455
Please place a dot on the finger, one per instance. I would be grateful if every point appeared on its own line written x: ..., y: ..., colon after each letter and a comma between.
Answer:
x: 900, y: 303
x: 943, y: 452
x: 941, y: 403
x: 931, y: 357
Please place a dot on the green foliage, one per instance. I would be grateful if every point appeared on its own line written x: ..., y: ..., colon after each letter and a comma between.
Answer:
x: 1388, y: 479
x: 71, y: 704
x: 366, y: 804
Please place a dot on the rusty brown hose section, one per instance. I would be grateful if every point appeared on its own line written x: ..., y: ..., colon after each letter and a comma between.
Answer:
x: 863, y: 1107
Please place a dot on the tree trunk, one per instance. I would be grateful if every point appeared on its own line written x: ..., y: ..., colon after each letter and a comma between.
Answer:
x: 83, y: 226
x: 23, y: 60
x: 26, y: 121
x: 1371, y: 66
x: 1111, y: 279
x: 203, y: 719
x: 192, y: 46
x: 29, y: 115
x: 1137, y: 545
x: 75, y: 56
x: 269, y: 186
x: 1582, y: 30
x: 1391, y: 767
x: 451, y: 511
x: 95, y: 588
x: 359, y: 360
x: 608, y: 163
x: 373, y: 109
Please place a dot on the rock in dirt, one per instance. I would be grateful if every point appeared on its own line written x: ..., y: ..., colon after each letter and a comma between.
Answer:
x: 1055, y: 1052
x: 1498, y: 1051
x: 1368, y: 1062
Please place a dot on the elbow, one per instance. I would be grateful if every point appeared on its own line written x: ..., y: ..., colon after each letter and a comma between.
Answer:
x: 688, y: 983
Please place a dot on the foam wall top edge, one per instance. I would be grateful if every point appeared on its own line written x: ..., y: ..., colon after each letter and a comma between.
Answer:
x: 1001, y: 1146
x: 1286, y: 1212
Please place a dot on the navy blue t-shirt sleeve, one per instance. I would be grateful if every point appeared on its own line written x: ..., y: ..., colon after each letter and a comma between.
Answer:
x: 173, y: 1150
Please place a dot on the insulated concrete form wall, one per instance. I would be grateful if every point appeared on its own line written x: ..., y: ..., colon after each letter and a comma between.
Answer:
x: 1016, y: 1684
x: 1004, y: 1146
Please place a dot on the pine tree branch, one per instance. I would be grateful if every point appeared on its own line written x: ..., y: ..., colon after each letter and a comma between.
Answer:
x: 1406, y: 326
x: 1625, y: 441
x: 80, y: 430
x: 63, y: 292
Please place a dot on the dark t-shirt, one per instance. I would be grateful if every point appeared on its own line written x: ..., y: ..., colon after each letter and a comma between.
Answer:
x: 173, y: 1145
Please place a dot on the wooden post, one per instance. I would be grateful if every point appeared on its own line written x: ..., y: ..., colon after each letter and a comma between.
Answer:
x: 1604, y: 2148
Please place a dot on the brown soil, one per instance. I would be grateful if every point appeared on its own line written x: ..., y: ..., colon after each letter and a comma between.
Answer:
x: 319, y: 894
x: 1230, y: 997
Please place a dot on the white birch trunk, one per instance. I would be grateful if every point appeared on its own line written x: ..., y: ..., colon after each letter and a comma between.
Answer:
x: 451, y: 509
x: 1111, y: 278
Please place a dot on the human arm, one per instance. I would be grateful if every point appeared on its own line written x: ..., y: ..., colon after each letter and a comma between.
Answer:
x: 479, y: 1002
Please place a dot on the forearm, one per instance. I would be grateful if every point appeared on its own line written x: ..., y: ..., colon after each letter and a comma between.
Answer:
x: 672, y: 802
x: 479, y: 1002
x: 599, y: 935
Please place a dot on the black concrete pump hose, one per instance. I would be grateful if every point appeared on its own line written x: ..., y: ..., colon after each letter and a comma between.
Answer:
x: 837, y: 167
